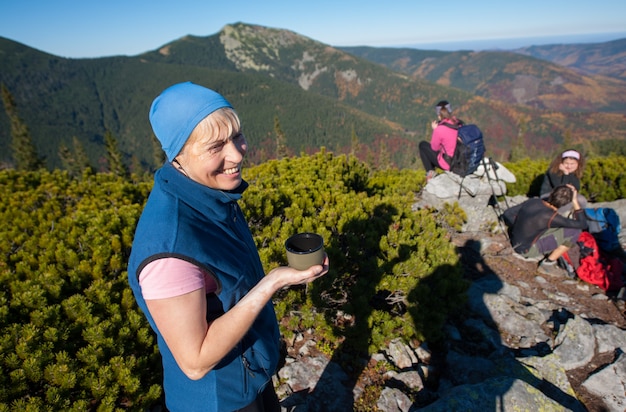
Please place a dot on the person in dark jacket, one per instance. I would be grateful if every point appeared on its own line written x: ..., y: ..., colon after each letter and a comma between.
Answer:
x: 565, y: 169
x: 194, y: 268
x: 536, y: 229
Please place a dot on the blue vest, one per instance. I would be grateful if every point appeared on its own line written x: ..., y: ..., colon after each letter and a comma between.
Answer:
x: 204, y: 226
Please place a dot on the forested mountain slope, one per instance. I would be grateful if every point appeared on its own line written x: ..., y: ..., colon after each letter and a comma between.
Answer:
x: 317, y: 95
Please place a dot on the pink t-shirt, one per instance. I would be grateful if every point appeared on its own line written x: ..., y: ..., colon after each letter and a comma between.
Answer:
x: 444, y: 141
x: 170, y: 277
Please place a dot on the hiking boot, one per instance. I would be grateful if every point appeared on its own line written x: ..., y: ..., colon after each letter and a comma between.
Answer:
x: 550, y: 269
x: 569, y: 269
x: 430, y: 175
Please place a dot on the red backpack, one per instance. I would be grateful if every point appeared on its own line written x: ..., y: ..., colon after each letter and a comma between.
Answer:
x: 594, y: 266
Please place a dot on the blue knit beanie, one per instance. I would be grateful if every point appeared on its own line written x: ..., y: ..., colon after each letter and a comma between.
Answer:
x: 178, y: 110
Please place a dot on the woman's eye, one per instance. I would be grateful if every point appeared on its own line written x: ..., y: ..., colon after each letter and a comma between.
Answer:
x: 216, y: 147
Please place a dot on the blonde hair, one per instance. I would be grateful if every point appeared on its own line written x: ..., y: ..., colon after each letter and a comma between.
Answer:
x: 221, y: 124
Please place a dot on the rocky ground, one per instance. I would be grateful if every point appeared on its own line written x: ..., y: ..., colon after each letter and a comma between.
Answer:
x: 574, y: 296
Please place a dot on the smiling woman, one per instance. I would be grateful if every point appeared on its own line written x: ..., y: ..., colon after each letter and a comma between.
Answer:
x: 565, y: 169
x: 194, y: 268
x: 214, y: 153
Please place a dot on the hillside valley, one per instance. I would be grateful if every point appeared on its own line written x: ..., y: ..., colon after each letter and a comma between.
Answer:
x: 376, y: 103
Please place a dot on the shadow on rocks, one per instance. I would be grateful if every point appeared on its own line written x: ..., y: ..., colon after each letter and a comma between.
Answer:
x: 482, y: 373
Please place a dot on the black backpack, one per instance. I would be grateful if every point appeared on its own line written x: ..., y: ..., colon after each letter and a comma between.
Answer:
x: 469, y: 151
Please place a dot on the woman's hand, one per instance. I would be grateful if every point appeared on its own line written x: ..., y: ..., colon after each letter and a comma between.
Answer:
x: 434, y: 124
x: 288, y: 276
x: 563, y: 169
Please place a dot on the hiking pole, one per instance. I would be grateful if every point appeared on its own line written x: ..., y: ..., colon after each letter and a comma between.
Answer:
x: 493, y: 200
x: 495, y: 167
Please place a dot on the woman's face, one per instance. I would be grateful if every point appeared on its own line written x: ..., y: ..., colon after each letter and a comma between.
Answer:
x: 570, y: 164
x: 215, y: 162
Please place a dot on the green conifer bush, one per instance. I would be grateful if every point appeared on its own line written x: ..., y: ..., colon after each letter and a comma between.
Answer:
x: 528, y: 177
x: 604, y: 179
x: 379, y: 249
x: 71, y: 336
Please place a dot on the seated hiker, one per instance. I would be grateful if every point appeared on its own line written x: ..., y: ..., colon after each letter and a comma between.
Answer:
x: 442, y: 142
x: 566, y: 168
x: 536, y: 229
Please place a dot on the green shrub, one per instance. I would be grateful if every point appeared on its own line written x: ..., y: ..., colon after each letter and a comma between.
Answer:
x: 528, y: 177
x: 604, y: 179
x: 379, y: 249
x: 71, y: 335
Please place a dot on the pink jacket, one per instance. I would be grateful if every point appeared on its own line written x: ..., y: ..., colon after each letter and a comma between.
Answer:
x: 444, y: 141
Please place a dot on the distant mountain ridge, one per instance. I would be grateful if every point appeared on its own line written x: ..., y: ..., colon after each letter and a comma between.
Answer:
x: 562, y: 78
x: 320, y: 95
x: 608, y: 59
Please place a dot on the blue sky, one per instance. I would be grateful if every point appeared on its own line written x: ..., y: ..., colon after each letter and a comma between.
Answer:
x: 89, y: 28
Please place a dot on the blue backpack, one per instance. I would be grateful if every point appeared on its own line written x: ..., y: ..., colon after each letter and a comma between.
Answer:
x: 469, y: 151
x: 605, y: 226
